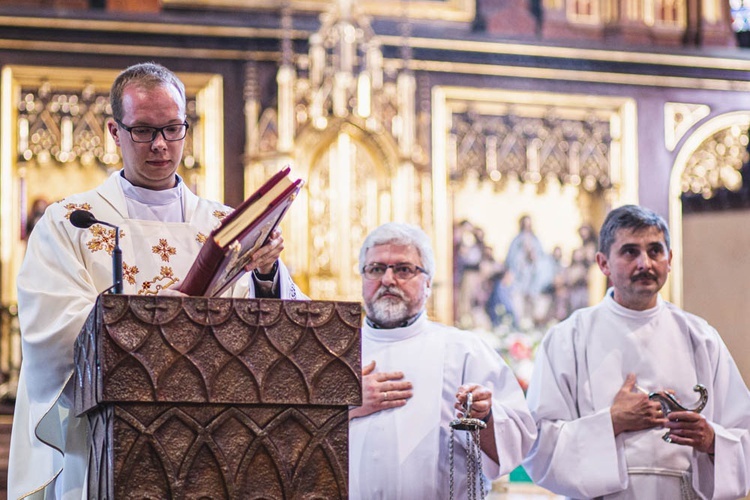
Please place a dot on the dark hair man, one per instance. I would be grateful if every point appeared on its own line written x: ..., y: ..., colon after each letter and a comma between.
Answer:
x: 600, y: 435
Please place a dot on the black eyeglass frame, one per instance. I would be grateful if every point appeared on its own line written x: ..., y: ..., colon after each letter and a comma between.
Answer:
x: 154, y: 131
x: 393, y: 266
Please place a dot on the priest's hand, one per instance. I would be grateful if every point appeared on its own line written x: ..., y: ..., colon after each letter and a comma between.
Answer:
x: 691, y: 429
x: 171, y: 292
x: 633, y: 411
x: 265, y: 257
x: 481, y: 408
x: 381, y: 391
x: 481, y: 405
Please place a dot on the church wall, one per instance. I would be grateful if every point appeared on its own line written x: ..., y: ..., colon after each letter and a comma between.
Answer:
x: 654, y: 163
x: 717, y: 276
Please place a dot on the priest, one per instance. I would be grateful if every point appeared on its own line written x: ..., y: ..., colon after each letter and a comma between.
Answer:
x: 600, y: 435
x: 162, y: 226
x: 416, y: 380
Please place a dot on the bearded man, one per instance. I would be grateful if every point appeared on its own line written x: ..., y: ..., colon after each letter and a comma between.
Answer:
x: 418, y: 374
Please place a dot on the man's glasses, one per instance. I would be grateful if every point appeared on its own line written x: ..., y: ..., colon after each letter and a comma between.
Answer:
x: 402, y: 272
x: 139, y: 133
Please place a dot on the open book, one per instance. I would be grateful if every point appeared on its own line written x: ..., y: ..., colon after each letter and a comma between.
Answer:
x: 231, y: 245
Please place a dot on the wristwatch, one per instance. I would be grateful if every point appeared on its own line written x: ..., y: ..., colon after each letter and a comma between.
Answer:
x: 266, y: 277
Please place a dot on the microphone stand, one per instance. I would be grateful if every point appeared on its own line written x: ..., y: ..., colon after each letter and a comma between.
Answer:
x: 117, y: 264
x: 84, y: 219
x: 116, y: 288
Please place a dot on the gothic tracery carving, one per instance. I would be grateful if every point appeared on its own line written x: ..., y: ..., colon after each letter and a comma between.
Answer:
x: 574, y: 151
x: 67, y: 126
x: 716, y: 163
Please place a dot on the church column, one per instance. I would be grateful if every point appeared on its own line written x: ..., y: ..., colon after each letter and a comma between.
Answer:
x: 715, y: 23
x: 285, y: 78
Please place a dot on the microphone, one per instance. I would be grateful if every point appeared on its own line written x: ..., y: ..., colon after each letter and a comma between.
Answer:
x: 84, y: 219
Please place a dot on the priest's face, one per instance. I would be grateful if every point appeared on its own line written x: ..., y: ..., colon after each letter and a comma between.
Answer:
x: 638, y: 264
x: 150, y: 164
x: 389, y: 301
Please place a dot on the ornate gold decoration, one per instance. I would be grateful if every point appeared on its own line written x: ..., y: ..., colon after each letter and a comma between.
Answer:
x: 70, y: 126
x: 220, y: 214
x: 72, y: 207
x: 531, y: 148
x: 129, y: 273
x: 163, y: 250
x: 345, y: 187
x: 679, y: 117
x: 166, y: 275
x: 343, y: 78
x: 348, y: 121
x: 104, y: 239
x: 201, y: 238
x: 716, y: 163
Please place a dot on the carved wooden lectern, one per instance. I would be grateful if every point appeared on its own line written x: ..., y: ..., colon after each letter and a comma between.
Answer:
x: 218, y: 398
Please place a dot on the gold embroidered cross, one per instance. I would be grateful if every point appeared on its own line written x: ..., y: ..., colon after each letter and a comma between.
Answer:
x: 163, y: 250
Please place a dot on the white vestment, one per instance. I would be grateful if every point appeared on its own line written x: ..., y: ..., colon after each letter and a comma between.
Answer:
x: 64, y: 271
x: 402, y: 453
x: 581, y: 365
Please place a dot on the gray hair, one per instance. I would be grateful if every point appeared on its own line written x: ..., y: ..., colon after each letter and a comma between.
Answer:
x: 149, y: 75
x: 630, y: 217
x: 400, y: 234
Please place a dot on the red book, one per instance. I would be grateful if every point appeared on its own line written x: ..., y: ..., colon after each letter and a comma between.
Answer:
x: 230, y: 246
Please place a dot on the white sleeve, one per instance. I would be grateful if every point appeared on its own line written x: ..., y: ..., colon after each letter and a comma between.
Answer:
x: 728, y: 475
x: 567, y: 443
x: 514, y: 428
x: 55, y: 295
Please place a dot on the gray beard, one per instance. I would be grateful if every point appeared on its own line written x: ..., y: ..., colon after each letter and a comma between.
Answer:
x: 388, y: 313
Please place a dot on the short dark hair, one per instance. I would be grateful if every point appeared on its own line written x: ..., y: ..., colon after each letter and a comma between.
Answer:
x: 630, y: 217
x: 148, y: 75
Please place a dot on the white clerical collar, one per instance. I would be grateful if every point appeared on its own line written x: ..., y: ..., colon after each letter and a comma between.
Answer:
x: 395, y: 334
x: 151, y: 196
x: 632, y: 313
x: 148, y: 204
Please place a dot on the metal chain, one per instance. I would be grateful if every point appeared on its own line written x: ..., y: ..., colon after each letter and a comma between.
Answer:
x: 479, y: 463
x: 471, y: 468
x: 473, y: 464
x: 450, y: 459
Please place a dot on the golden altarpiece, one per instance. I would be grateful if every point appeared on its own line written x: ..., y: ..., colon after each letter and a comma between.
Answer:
x: 382, y: 130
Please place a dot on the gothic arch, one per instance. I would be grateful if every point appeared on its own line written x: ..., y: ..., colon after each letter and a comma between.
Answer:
x: 351, y: 174
x: 694, y: 143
